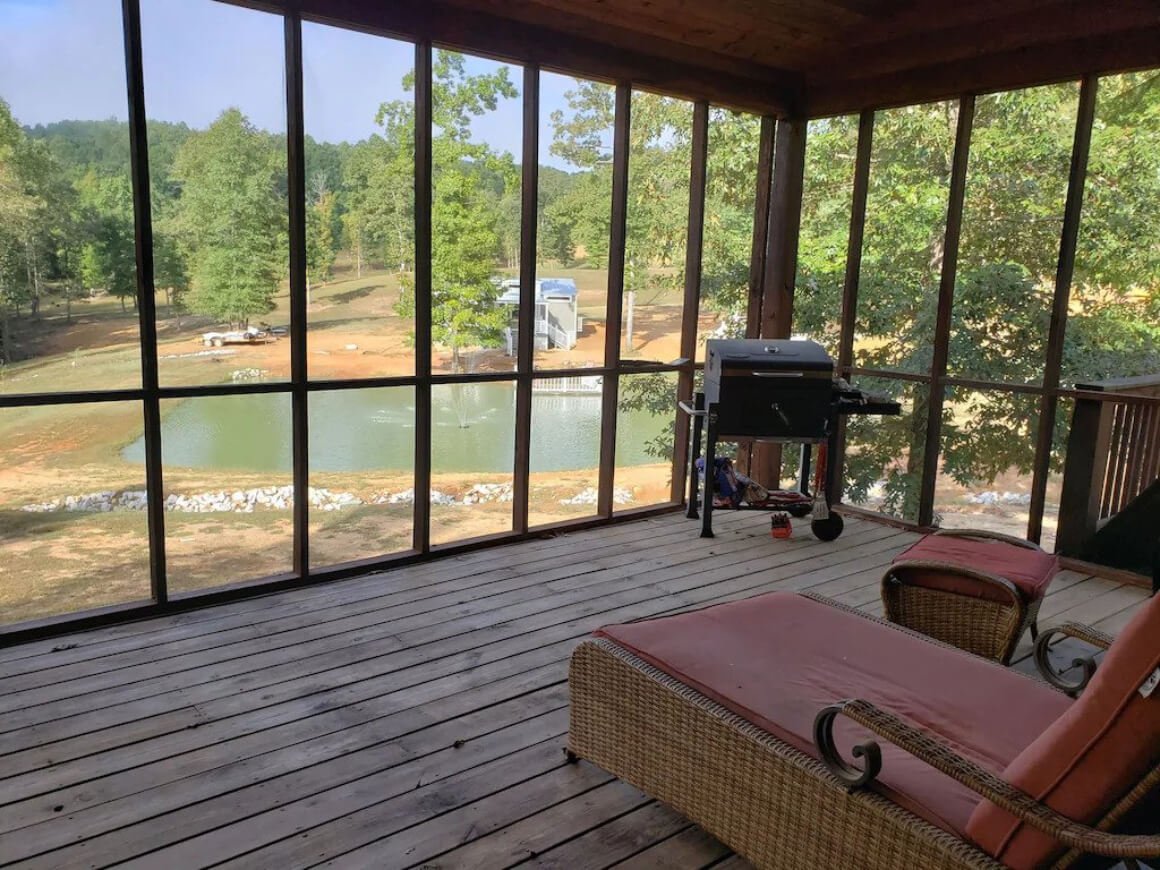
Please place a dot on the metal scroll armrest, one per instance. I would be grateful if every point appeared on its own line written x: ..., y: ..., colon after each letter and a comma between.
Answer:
x: 943, y: 758
x: 1086, y: 664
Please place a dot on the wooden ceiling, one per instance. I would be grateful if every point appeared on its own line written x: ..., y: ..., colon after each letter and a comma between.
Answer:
x: 800, y: 57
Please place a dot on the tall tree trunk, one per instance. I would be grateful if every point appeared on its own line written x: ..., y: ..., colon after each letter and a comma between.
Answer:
x: 36, y: 287
x: 5, y: 335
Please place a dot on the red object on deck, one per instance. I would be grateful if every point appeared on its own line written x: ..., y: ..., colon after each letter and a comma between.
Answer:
x: 780, y: 526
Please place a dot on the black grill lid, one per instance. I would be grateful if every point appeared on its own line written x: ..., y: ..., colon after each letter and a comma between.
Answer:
x: 770, y: 353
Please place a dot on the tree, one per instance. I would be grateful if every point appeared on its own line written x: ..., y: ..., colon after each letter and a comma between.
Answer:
x: 36, y: 208
x: 582, y: 137
x: 465, y: 240
x: 1005, y: 279
x: 554, y: 233
x: 320, y: 252
x: 108, y: 259
x: 378, y: 178
x: 232, y: 218
x: 169, y: 268
x: 17, y: 207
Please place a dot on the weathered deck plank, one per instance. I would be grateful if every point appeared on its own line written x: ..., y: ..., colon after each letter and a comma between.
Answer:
x: 405, y: 718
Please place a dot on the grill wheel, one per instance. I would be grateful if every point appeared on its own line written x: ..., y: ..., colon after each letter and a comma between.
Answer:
x: 827, y: 529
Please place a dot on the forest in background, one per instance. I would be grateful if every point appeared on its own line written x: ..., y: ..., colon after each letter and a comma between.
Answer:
x: 220, y: 246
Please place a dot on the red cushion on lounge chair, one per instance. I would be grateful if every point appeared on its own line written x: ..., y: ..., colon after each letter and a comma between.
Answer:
x: 1030, y: 570
x: 1091, y: 756
x: 778, y: 659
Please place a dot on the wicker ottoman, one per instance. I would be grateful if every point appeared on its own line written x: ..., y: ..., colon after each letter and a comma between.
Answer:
x: 975, y: 590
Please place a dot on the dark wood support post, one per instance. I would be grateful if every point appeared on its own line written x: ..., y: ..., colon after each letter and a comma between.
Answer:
x: 526, y: 330
x: 616, y: 244
x: 146, y: 296
x: 785, y: 212
x: 1085, y: 469
x: 1065, y: 268
x: 760, y: 228
x: 692, y: 300
x: 837, y: 460
x: 789, y: 160
x: 422, y: 506
x: 296, y: 195
x: 946, y: 301
x: 757, y: 251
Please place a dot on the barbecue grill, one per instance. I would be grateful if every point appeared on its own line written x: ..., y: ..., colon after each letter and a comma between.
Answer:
x: 778, y: 390
x: 774, y: 390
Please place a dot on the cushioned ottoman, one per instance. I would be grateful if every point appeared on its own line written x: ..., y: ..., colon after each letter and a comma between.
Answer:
x: 975, y: 590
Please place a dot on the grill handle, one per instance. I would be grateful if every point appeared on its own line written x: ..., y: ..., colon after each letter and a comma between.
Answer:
x: 778, y: 374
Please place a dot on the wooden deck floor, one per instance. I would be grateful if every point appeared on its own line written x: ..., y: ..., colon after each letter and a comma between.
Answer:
x: 411, y: 718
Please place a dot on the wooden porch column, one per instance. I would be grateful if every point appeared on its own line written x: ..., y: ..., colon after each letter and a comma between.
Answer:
x: 850, y: 283
x: 760, y: 228
x: 785, y: 212
x: 421, y: 533
x: 612, y: 323
x: 526, y: 330
x: 757, y: 253
x: 698, y: 171
x: 1065, y: 267
x: 946, y: 300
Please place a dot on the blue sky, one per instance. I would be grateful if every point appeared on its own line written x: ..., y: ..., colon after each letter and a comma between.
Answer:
x: 63, y: 59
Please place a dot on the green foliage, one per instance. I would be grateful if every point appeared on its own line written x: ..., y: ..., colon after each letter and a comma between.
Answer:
x: 1016, y: 186
x: 320, y: 242
x: 579, y: 219
x: 232, y: 218
x: 471, y: 185
x: 37, y: 225
x: 730, y: 194
x: 108, y: 259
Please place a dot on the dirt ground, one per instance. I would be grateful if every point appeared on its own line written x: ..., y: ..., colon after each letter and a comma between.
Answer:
x: 61, y: 561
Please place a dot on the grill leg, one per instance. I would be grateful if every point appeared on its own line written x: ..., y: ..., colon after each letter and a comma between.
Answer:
x: 804, y: 470
x: 832, y: 479
x: 710, y: 477
x: 694, y: 449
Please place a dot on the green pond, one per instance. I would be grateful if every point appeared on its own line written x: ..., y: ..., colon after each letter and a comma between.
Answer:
x: 473, y: 429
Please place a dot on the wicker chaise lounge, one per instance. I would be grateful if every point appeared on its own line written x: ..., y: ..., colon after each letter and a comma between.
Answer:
x: 740, y: 717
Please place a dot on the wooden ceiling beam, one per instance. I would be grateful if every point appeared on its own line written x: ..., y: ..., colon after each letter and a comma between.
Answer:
x: 918, y: 17
x: 1075, y: 19
x: 648, y: 62
x: 1009, y: 70
x: 718, y: 42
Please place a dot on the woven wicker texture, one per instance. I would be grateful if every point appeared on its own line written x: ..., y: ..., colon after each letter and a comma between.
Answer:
x: 781, y: 808
x: 977, y: 625
x: 772, y: 804
x: 1001, y: 793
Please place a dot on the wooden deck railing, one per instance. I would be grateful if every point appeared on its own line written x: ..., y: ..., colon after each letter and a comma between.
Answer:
x: 1113, y: 453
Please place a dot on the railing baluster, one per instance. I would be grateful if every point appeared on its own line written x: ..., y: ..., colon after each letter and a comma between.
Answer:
x: 1152, y: 461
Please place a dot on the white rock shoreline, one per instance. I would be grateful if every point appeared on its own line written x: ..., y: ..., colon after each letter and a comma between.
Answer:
x: 282, y: 498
